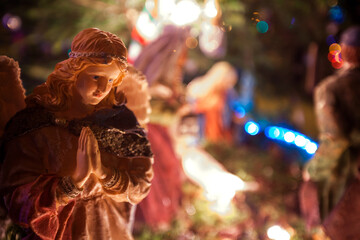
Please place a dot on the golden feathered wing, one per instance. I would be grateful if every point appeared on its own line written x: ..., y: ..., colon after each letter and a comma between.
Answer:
x: 136, y: 90
x: 12, y: 92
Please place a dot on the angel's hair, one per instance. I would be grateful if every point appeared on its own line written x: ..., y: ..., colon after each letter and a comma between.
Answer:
x: 89, y: 47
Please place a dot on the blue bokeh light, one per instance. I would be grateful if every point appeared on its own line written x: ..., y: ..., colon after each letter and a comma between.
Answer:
x: 284, y: 135
x: 252, y: 128
x: 262, y: 27
x: 330, y: 40
x: 336, y: 14
x: 272, y: 132
x: 239, y: 111
x: 311, y: 147
x: 291, y: 137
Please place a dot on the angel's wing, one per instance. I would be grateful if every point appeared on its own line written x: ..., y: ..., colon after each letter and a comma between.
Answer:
x: 136, y: 90
x: 12, y: 92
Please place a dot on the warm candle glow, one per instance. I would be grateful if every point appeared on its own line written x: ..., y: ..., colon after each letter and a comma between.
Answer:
x: 278, y: 233
x: 219, y: 185
x: 185, y: 12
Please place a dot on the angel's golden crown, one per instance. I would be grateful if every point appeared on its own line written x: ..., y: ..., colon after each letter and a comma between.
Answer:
x: 97, y: 54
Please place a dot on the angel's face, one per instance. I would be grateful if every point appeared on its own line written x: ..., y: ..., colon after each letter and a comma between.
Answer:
x: 95, y: 82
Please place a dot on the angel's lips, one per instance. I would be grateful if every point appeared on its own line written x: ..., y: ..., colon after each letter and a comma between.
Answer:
x: 98, y: 95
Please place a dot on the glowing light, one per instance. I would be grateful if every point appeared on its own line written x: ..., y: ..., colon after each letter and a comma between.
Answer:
x: 335, y: 47
x: 278, y: 233
x: 185, y: 12
x: 191, y: 42
x: 256, y: 17
x: 336, y: 14
x: 334, y: 56
x: 273, y: 132
x: 211, y: 39
x: 252, y: 128
x: 146, y: 26
x: 149, y: 5
x: 219, y: 185
x: 5, y: 19
x: 221, y: 205
x: 289, y: 137
x: 134, y: 50
x: 222, y: 190
x: 12, y: 22
x: 210, y: 9
x: 262, y: 27
x: 338, y: 64
x: 194, y: 32
x: 239, y: 111
x: 292, y: 21
x: 311, y: 147
x: 300, y: 141
x: 238, y: 108
x: 190, y: 210
x: 166, y: 7
x: 330, y: 40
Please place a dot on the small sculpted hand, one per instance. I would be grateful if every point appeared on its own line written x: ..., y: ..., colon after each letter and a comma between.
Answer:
x: 94, y: 152
x: 88, y: 159
x: 83, y: 159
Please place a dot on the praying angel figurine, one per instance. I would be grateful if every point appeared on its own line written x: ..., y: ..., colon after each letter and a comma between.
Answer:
x: 75, y: 160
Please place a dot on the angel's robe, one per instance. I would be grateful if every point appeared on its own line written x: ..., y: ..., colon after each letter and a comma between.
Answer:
x: 39, y: 149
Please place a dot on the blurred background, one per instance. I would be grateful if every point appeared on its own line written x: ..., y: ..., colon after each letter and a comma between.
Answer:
x: 280, y: 49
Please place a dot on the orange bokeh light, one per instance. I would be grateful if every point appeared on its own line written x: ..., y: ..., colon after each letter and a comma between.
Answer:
x: 191, y: 42
x: 338, y: 65
x: 334, y: 56
x: 335, y: 47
